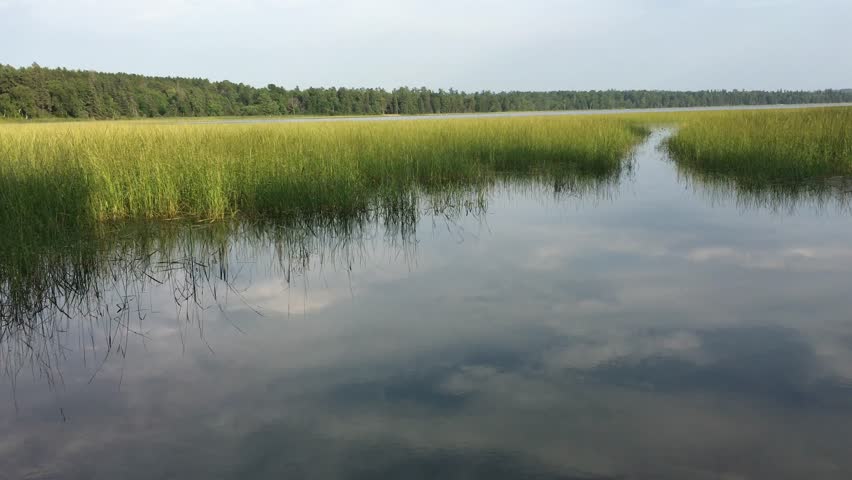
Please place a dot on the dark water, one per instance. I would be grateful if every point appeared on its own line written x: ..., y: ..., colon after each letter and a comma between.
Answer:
x: 660, y: 329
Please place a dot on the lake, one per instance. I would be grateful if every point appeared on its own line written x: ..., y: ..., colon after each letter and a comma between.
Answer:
x: 551, y: 113
x: 659, y: 327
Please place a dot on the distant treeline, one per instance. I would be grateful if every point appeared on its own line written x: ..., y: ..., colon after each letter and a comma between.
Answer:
x: 31, y: 92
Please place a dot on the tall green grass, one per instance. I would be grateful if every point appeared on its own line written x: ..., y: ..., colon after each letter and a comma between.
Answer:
x: 62, y: 186
x: 59, y: 175
x: 71, y: 174
x: 765, y: 147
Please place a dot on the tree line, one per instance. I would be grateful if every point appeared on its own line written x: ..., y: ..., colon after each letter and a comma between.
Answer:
x: 37, y: 92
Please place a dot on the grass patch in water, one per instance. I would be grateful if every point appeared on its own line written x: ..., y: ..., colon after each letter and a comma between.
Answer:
x: 759, y: 148
x: 58, y: 175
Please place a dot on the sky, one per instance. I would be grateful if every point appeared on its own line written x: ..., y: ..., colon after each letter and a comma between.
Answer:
x: 464, y: 44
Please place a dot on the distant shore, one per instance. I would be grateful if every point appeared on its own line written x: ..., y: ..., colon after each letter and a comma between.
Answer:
x: 546, y: 113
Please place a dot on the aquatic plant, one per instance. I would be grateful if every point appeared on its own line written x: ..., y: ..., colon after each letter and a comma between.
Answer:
x: 81, y: 173
x: 758, y: 148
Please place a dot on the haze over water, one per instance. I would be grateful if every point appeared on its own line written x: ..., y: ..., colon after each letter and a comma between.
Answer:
x: 556, y: 113
x: 658, y: 328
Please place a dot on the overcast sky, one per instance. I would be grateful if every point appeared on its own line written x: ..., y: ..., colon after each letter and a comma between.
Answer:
x: 464, y: 44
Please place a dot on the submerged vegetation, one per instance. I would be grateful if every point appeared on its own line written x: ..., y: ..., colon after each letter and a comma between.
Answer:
x: 59, y: 175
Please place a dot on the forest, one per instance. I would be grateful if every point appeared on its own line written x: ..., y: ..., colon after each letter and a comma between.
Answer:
x: 38, y: 92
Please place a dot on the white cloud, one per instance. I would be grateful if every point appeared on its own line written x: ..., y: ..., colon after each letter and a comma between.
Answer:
x: 596, y: 351
x: 824, y: 258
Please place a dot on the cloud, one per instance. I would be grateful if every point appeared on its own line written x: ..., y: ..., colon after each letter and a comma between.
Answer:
x: 823, y: 258
x: 591, y: 352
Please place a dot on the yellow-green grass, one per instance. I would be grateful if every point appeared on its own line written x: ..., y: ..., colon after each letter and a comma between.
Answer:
x: 75, y: 173
x: 765, y: 147
x: 62, y: 183
x: 69, y: 174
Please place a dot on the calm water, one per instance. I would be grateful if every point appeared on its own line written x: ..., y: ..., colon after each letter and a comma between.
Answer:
x: 610, y: 111
x: 659, y: 329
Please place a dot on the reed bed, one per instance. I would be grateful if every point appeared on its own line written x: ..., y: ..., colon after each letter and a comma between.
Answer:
x: 766, y: 147
x: 74, y: 173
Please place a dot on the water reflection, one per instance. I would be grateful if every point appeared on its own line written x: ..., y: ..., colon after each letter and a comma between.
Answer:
x: 638, y: 332
x: 818, y: 195
x: 103, y: 279
x: 104, y: 282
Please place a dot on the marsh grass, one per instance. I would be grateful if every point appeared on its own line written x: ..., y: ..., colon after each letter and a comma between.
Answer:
x: 70, y: 174
x: 76, y: 197
x: 79, y: 198
x: 759, y: 148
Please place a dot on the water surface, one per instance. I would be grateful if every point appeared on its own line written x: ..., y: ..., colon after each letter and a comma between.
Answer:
x: 444, y: 116
x: 660, y: 328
